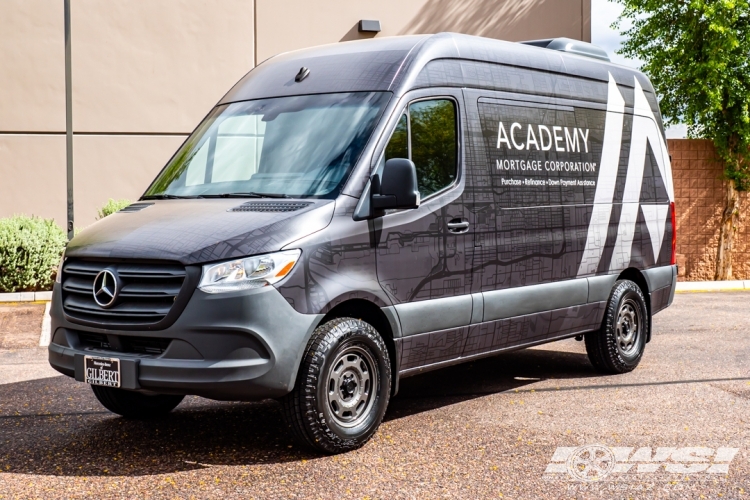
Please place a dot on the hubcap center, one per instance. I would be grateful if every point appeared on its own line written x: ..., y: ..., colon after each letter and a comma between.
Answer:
x: 348, y: 386
x: 628, y: 328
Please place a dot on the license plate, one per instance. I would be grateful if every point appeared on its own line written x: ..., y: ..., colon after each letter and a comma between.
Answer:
x: 102, y: 371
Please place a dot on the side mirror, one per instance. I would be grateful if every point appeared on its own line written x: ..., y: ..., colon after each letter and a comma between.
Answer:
x: 397, y: 189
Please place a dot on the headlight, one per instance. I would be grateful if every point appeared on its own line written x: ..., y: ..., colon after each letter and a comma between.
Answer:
x: 249, y: 273
x: 58, y: 277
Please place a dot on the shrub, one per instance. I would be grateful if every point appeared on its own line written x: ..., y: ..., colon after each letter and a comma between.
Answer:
x: 30, y: 250
x: 112, y: 206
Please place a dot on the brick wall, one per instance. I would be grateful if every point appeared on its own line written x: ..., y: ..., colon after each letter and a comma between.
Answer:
x: 699, y: 196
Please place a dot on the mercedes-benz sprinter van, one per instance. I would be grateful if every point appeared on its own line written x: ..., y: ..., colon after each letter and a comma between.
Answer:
x: 353, y: 214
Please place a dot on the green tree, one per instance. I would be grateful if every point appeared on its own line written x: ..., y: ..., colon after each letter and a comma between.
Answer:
x: 697, y: 55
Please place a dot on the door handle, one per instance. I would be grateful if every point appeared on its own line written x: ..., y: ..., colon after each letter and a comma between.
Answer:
x: 458, y: 226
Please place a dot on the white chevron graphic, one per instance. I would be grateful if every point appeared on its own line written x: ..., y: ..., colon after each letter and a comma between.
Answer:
x: 656, y: 220
x: 644, y: 131
x: 605, y: 187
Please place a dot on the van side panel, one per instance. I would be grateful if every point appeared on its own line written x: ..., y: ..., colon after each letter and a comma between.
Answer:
x: 533, y: 329
x: 566, y: 191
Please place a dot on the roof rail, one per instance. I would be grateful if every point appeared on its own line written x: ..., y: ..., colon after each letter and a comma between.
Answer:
x: 570, y: 46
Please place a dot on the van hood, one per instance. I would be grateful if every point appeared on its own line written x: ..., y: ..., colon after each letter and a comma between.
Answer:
x: 201, y: 230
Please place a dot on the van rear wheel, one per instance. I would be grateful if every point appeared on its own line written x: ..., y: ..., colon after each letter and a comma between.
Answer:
x: 342, y: 388
x: 135, y: 405
x: 617, y: 347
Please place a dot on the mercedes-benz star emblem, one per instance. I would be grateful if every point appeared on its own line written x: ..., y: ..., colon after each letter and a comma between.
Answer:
x: 105, y: 288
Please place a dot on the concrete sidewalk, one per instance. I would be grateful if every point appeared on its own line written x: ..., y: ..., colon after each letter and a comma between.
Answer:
x: 21, y: 365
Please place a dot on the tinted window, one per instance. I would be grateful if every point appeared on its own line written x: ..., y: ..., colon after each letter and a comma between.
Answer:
x: 398, y: 146
x: 427, y: 136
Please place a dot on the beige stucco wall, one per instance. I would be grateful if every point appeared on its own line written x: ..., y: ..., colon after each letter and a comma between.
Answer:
x: 145, y: 72
x: 32, y: 66
x: 33, y: 176
x: 132, y: 161
x: 155, y: 66
x: 285, y: 25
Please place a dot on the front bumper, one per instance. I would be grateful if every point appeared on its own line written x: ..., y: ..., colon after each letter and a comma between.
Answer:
x: 238, y: 346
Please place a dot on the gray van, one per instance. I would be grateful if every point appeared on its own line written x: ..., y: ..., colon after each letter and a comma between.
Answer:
x: 352, y: 214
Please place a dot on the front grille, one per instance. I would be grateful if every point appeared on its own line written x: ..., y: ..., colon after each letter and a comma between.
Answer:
x: 94, y: 340
x: 145, y: 296
x: 271, y: 206
x: 144, y: 345
x: 123, y: 343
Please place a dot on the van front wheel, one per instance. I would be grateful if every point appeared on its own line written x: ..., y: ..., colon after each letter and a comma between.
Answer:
x: 342, y: 388
x: 618, y: 346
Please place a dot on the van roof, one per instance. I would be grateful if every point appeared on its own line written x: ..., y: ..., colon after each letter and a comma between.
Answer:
x: 398, y: 64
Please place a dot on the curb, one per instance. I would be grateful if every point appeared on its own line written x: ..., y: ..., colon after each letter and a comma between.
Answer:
x: 713, y: 286
x: 26, y: 297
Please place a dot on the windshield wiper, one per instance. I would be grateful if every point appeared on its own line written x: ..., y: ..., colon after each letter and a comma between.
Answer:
x: 246, y: 195
x: 167, y: 197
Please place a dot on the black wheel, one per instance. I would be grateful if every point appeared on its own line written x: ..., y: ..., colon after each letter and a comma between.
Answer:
x: 135, y: 405
x: 618, y: 346
x: 342, y: 388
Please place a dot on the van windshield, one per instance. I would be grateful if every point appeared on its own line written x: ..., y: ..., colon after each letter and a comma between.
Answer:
x: 299, y: 146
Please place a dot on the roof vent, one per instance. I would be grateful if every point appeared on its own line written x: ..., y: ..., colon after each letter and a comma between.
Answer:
x: 271, y: 206
x: 135, y: 207
x: 571, y: 47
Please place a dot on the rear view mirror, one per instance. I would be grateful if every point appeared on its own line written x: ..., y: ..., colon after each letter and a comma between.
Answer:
x: 396, y: 187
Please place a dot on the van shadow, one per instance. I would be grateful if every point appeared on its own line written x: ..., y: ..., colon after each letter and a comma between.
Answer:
x: 56, y: 427
x: 501, y: 373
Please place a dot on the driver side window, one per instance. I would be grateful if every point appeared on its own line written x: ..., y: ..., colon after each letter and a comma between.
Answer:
x: 426, y: 134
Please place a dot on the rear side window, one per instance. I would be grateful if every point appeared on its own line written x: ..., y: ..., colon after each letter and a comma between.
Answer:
x: 426, y: 134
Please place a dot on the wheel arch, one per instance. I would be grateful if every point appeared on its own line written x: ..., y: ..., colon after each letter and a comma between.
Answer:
x: 371, y: 313
x: 637, y: 277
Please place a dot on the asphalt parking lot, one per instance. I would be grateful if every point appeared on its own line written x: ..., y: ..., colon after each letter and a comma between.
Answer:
x: 489, y: 429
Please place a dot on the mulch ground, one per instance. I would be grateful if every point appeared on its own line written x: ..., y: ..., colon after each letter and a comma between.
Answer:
x: 20, y: 325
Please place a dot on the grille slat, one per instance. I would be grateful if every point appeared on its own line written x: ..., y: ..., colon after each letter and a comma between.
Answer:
x: 127, y: 309
x: 147, y: 292
x: 78, y: 285
x: 151, y: 290
x: 81, y: 270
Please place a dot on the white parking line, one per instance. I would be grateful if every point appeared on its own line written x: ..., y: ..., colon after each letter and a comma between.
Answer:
x: 44, y: 338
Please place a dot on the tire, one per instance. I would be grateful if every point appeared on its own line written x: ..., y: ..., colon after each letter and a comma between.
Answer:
x: 135, y: 405
x: 617, y: 347
x: 343, y: 387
